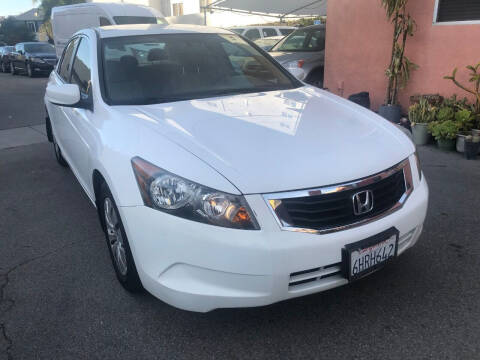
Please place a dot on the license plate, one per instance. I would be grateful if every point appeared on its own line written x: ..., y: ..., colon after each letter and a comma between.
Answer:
x: 366, y: 256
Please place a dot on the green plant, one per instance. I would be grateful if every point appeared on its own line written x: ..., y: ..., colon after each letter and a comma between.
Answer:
x: 445, y: 113
x: 398, y: 72
x: 475, y: 90
x: 422, y: 112
x: 464, y: 118
x: 446, y: 130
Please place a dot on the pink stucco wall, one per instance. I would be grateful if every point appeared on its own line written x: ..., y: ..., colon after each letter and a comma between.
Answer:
x: 358, y: 49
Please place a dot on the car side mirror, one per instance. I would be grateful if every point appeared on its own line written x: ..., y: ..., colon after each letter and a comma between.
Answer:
x: 68, y: 95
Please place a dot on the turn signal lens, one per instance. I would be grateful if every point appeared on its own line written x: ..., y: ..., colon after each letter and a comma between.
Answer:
x: 300, y: 63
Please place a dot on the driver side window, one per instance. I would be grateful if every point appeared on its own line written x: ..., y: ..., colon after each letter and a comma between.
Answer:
x: 66, y: 61
x: 81, y: 68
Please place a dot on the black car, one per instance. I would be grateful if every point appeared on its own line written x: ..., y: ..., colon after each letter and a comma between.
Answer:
x: 33, y: 58
x: 5, y: 58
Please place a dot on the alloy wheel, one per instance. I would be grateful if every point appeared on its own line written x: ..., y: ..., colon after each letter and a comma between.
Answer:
x: 115, y: 236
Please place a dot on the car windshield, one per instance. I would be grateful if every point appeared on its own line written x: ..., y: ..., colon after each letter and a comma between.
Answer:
x: 123, y: 20
x: 39, y: 48
x: 149, y: 69
x: 303, y: 40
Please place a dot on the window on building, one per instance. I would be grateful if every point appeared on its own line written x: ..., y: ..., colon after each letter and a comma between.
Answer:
x: 31, y: 26
x: 252, y: 34
x: 269, y: 32
x: 457, y: 10
x: 177, y: 9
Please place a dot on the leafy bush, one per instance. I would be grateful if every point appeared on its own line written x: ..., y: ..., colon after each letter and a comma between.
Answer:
x: 445, y: 113
x: 446, y: 130
x: 464, y: 119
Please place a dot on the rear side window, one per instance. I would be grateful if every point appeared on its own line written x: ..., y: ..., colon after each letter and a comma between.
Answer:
x: 81, y: 68
x: 269, y: 32
x: 238, y: 31
x: 123, y: 20
x: 286, y: 31
x: 104, y: 21
x: 253, y: 34
x: 66, y: 60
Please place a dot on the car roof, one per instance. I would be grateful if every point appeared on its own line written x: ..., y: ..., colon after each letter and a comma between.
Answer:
x: 263, y: 26
x: 110, y: 7
x: 153, y: 29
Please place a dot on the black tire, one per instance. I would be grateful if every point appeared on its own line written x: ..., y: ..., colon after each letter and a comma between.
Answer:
x: 29, y: 70
x: 13, y: 71
x: 315, y: 78
x: 128, y: 277
x: 58, y: 153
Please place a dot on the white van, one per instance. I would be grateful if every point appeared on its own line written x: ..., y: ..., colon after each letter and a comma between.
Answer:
x: 67, y: 20
x: 259, y: 32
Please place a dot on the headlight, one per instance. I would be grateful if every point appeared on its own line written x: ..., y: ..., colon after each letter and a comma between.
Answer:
x: 177, y: 196
x: 36, y: 60
x: 419, y: 165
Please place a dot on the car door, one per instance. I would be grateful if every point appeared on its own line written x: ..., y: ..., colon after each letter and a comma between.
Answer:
x: 17, y: 56
x: 58, y: 117
x: 78, y: 121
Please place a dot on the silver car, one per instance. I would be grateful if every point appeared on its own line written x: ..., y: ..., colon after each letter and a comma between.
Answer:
x: 303, y: 53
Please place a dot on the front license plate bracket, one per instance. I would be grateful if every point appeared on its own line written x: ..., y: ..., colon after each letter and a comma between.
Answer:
x: 388, y: 236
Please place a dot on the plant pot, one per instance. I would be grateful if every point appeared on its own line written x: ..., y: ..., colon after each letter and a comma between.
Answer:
x: 461, y: 138
x: 471, y: 150
x: 446, y: 144
x: 420, y: 134
x: 392, y: 113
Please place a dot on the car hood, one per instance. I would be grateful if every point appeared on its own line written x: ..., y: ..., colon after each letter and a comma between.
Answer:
x: 280, y: 140
x: 283, y: 56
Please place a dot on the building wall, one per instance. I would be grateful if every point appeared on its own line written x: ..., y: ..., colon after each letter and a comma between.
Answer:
x: 359, y: 41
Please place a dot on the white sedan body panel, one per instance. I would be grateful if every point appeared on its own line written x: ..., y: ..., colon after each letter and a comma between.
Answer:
x: 249, y: 144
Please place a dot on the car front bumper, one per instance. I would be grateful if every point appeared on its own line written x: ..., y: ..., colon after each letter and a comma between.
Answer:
x: 199, y: 267
x: 41, y: 67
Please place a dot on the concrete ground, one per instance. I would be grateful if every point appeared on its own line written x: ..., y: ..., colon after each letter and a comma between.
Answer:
x: 59, y: 298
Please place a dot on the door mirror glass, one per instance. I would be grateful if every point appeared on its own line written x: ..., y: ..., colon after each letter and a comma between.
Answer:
x: 63, y: 94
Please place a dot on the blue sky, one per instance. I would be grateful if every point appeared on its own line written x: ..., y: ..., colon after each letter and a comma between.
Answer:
x: 15, y: 7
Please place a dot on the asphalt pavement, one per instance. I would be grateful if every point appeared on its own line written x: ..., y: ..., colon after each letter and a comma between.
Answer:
x: 59, y: 298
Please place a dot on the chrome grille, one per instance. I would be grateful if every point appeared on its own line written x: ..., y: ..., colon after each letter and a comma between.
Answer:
x: 330, y: 208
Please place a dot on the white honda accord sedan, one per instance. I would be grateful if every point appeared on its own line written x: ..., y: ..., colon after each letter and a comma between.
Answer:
x: 222, y: 181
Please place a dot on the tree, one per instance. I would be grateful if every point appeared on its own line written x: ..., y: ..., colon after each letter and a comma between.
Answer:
x: 398, y: 72
x: 13, y: 31
x: 47, y: 5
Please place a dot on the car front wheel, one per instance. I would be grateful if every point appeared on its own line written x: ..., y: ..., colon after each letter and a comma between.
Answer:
x: 58, y: 154
x: 29, y: 70
x: 117, y: 242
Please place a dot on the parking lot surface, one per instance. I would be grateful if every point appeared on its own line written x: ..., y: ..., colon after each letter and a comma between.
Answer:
x: 59, y: 298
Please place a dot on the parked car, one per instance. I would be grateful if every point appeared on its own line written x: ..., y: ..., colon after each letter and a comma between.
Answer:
x: 5, y: 52
x: 32, y: 58
x: 68, y: 19
x: 268, y: 42
x: 220, y: 180
x: 259, y: 32
x: 303, y: 54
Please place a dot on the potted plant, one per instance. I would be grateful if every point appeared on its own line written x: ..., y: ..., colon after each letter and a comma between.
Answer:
x: 475, y: 91
x: 445, y: 133
x: 464, y: 119
x: 420, y: 115
x: 398, y: 71
x: 472, y: 145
